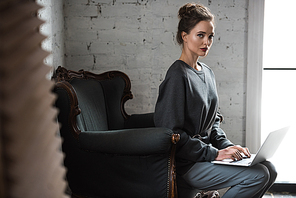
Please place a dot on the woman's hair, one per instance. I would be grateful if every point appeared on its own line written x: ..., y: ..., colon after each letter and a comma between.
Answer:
x: 189, y: 15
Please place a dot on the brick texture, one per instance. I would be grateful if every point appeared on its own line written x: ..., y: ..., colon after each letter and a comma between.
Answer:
x: 138, y: 37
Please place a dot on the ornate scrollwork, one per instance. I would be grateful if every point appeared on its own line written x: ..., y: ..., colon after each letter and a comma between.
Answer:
x: 175, y: 138
x: 173, y: 185
x: 74, y: 109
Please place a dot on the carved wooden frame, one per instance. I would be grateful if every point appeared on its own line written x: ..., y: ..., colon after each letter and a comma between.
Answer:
x: 173, y: 193
x: 63, y: 76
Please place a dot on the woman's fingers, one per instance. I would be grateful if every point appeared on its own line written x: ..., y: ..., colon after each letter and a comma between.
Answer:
x: 248, y: 152
x: 244, y: 150
x: 237, y: 155
x: 233, y: 152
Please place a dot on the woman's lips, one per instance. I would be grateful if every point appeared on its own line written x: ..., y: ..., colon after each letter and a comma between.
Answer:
x: 204, y: 49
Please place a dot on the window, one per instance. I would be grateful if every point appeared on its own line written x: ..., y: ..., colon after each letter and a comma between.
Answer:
x: 271, y: 73
x: 279, y: 80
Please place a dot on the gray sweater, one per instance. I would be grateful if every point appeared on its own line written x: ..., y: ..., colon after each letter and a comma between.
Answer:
x: 187, y: 104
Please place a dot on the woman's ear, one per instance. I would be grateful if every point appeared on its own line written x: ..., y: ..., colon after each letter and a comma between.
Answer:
x: 184, y: 36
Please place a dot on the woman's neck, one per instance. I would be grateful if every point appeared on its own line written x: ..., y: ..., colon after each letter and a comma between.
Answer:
x: 190, y: 60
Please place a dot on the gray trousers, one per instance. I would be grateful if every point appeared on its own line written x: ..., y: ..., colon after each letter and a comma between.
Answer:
x: 244, y: 182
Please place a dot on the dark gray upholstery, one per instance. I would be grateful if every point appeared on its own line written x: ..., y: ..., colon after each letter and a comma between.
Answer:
x: 110, y: 154
x: 93, y: 110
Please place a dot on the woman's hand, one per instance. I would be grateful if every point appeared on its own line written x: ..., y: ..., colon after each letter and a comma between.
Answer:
x: 233, y: 152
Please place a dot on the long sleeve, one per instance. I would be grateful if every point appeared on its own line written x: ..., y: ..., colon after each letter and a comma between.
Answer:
x: 218, y: 136
x: 172, y: 111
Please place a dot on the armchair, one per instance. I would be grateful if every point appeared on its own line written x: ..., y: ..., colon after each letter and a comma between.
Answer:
x: 109, y: 153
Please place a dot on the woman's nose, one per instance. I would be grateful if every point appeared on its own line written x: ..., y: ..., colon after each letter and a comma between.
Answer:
x: 207, y: 41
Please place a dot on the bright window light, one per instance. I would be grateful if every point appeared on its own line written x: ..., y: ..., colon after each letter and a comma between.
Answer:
x: 279, y: 82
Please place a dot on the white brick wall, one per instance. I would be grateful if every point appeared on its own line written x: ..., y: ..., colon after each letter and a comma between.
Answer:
x: 138, y: 38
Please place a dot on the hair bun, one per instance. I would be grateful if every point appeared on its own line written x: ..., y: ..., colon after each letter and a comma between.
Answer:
x: 185, y: 11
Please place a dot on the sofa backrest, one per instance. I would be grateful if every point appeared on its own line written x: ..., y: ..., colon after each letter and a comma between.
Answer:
x: 91, y: 102
x: 100, y: 103
x: 114, y: 93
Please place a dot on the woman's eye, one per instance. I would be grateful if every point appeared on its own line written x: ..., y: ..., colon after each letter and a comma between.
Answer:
x: 200, y: 35
x: 211, y: 36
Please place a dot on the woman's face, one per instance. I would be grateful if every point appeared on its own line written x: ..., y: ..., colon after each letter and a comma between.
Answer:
x: 199, y: 41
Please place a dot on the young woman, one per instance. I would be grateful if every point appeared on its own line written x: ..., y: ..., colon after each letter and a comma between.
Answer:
x: 188, y: 104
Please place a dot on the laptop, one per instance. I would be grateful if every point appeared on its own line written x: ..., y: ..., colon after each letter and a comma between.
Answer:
x: 266, y: 150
